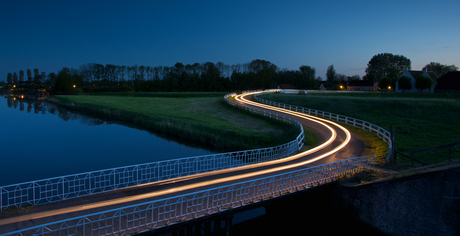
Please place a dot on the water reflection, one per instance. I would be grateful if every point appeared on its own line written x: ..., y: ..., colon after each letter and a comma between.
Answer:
x: 18, y: 100
x: 41, y: 140
x: 40, y: 106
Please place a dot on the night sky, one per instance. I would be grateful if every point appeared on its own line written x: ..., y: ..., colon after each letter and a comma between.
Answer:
x: 50, y: 35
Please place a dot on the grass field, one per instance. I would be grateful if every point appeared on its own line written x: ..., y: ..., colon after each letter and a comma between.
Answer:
x: 165, y: 94
x: 202, y: 117
x: 431, y: 119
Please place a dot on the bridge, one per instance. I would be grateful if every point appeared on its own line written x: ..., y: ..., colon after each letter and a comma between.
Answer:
x: 141, y: 198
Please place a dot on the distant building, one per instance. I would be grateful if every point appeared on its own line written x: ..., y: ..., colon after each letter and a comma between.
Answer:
x: 322, y: 86
x: 449, y: 83
x: 362, y: 85
x: 412, y: 74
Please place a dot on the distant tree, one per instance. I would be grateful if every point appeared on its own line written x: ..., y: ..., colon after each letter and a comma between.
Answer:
x: 29, y: 75
x: 15, y: 78
x: 86, y: 73
x: 340, y: 78
x: 404, y: 83
x: 385, y: 82
x: 307, y: 80
x: 21, y: 75
x: 63, y: 82
x: 141, y: 76
x: 98, y: 70
x: 423, y: 82
x: 36, y: 76
x: 52, y: 77
x: 122, y: 72
x: 354, y: 78
x: 386, y: 65
x: 43, y: 76
x: 111, y: 73
x: 330, y: 74
x: 440, y: 69
x: 264, y: 72
x: 148, y: 72
x: 9, y: 78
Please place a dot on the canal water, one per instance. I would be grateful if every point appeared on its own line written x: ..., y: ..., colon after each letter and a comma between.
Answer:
x: 39, y: 140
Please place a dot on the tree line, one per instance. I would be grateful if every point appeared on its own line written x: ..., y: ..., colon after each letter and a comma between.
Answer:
x: 15, y: 78
x: 200, y: 77
x: 384, y: 68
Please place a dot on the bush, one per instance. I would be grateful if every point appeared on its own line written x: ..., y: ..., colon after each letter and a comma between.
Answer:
x: 423, y: 82
x: 404, y: 83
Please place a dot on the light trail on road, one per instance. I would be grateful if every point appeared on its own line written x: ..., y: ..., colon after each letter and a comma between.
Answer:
x: 213, y: 181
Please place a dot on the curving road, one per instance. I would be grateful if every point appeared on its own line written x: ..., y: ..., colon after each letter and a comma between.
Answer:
x: 337, y: 143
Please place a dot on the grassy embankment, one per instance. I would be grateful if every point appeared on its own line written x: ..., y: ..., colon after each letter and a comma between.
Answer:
x: 202, y: 117
x: 431, y: 119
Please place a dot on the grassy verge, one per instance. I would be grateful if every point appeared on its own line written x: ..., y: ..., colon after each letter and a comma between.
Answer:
x: 207, y: 120
x: 430, y: 119
x: 164, y: 94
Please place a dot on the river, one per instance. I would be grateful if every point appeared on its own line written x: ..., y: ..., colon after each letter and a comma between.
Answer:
x: 39, y: 140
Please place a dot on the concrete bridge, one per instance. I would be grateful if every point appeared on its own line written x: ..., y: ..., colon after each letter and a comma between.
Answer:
x: 152, y: 196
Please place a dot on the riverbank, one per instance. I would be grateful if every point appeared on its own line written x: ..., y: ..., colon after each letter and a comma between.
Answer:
x: 205, y: 119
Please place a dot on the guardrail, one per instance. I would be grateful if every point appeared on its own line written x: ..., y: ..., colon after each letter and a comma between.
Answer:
x: 83, y: 184
x: 159, y: 213
x: 296, y: 91
x: 361, y: 124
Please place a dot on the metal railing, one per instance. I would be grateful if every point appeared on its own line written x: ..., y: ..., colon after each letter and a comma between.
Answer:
x: 83, y: 184
x: 361, y: 124
x: 296, y: 91
x: 159, y: 213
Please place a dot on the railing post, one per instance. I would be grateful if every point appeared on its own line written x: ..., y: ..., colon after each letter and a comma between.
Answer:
x: 392, y: 138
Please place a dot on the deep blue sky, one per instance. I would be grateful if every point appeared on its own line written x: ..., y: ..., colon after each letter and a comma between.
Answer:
x: 50, y: 35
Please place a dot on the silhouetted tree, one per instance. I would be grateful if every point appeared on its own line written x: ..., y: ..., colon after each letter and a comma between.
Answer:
x: 9, y: 78
x: 63, y: 82
x: 15, y: 78
x: 423, y: 82
x: 29, y: 75
x: 385, y: 82
x: 404, y: 83
x: 440, y: 69
x: 21, y: 76
x: 330, y: 75
x: 307, y: 79
x: 386, y: 65
x: 36, y: 76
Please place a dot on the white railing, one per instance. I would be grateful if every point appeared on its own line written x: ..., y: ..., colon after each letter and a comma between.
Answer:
x: 82, y: 184
x: 159, y: 213
x: 296, y: 91
x: 361, y: 124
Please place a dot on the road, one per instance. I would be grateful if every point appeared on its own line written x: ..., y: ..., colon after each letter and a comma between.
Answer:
x: 336, y: 143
